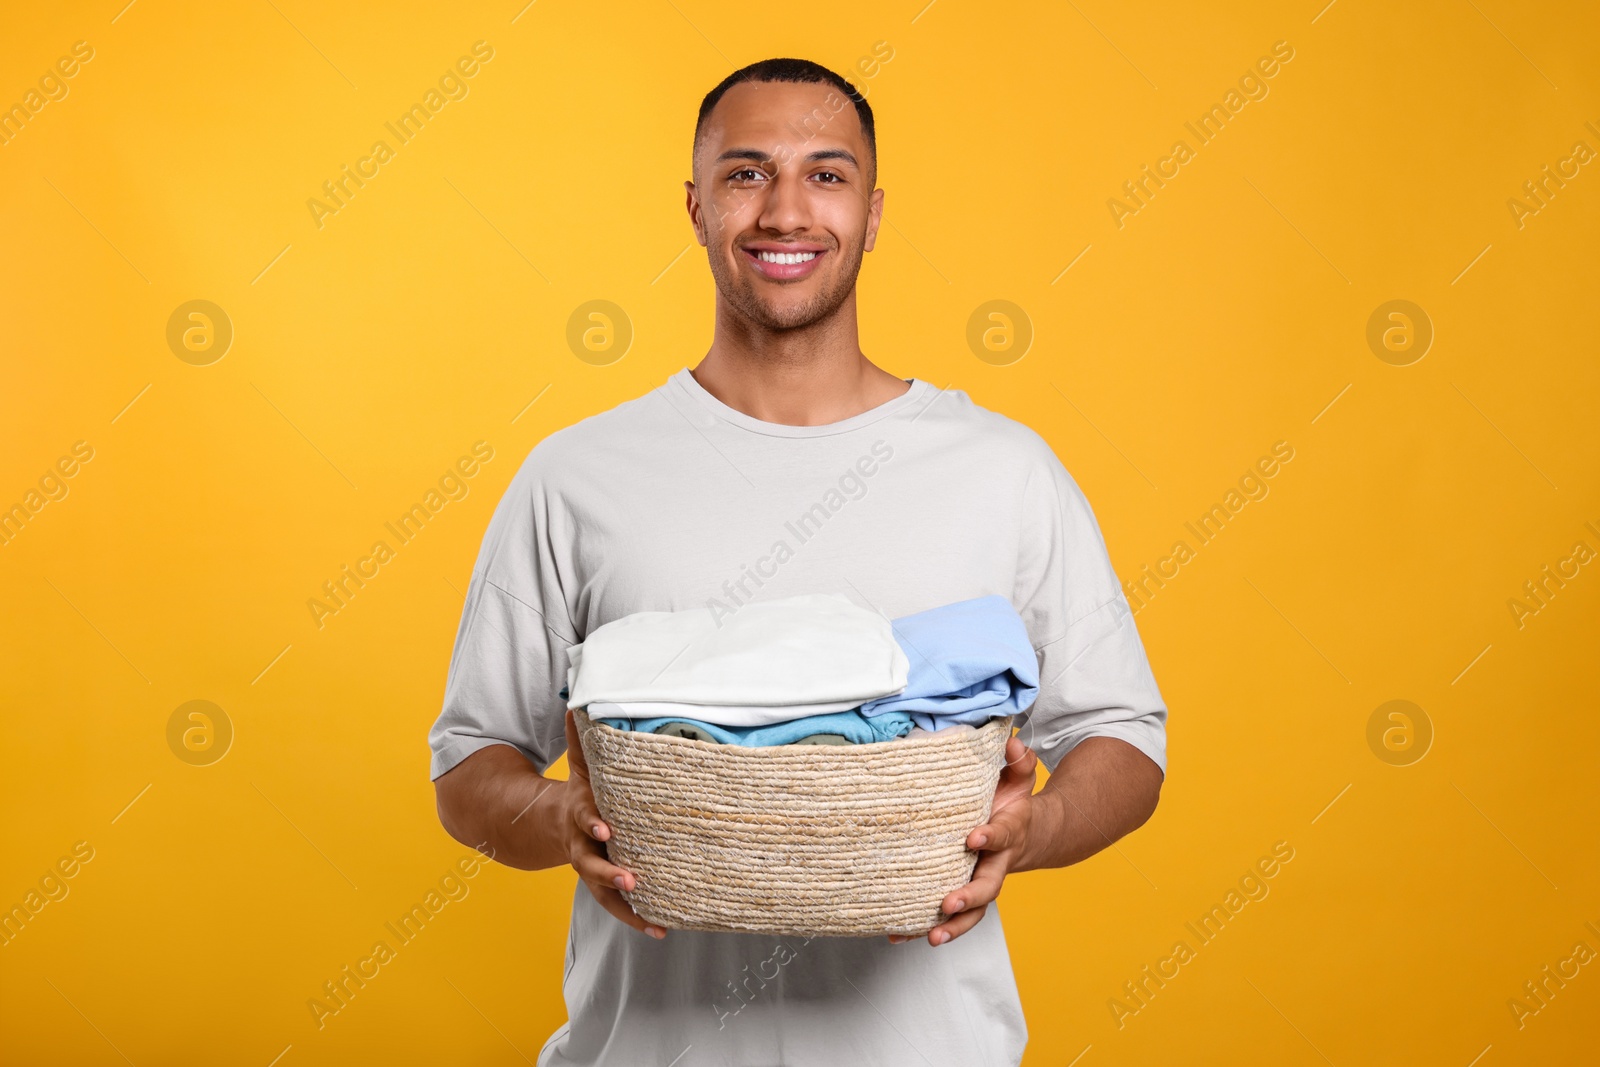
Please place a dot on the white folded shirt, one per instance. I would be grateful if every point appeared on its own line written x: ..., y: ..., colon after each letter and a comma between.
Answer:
x: 720, y: 714
x: 767, y: 662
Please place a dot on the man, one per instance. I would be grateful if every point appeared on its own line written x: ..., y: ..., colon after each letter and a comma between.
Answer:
x: 784, y: 463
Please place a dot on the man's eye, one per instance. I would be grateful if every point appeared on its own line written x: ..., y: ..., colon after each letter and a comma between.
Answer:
x: 746, y: 174
x: 827, y: 177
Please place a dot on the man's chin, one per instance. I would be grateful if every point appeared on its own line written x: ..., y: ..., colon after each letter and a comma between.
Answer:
x: 785, y: 314
x: 789, y: 318
x: 773, y: 305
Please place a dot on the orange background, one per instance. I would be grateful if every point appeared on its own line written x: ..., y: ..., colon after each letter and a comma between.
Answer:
x: 1230, y: 312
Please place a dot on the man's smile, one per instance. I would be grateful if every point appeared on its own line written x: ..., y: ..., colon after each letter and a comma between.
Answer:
x: 784, y: 262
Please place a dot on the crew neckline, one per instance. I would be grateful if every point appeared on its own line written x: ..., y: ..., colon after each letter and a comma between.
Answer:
x: 686, y: 383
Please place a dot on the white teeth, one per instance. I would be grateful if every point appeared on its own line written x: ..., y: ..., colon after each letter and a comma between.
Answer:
x: 786, y: 257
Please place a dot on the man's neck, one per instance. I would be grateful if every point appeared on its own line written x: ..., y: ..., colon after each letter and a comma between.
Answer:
x: 811, y: 376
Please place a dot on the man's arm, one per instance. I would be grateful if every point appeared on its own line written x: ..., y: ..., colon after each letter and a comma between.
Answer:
x: 495, y: 798
x: 496, y: 801
x: 1101, y: 791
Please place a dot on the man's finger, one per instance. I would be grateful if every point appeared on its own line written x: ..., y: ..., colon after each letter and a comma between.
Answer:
x: 954, y: 928
x: 993, y: 836
x: 987, y: 878
x: 1006, y: 827
x: 584, y: 812
x: 603, y: 878
x: 594, y: 867
x: 585, y: 815
x: 587, y: 818
x: 1021, y: 771
x: 1020, y: 759
x: 612, y: 901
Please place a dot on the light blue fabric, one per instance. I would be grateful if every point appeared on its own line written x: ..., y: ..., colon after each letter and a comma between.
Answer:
x: 851, y: 725
x: 971, y: 661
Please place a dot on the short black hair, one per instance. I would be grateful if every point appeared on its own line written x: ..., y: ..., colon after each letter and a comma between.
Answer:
x: 792, y: 70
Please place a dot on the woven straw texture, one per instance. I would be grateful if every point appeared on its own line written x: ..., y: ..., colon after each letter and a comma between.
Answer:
x: 805, y: 840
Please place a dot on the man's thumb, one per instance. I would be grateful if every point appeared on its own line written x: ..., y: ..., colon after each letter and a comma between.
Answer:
x: 1023, y: 766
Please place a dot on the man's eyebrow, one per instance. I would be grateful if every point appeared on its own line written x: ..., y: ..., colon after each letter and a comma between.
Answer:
x: 834, y: 153
x: 759, y: 156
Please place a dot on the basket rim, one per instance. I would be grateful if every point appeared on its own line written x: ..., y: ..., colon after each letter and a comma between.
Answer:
x: 898, y: 744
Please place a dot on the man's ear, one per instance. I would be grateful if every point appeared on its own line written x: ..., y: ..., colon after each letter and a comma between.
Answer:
x: 692, y: 203
x: 874, y: 218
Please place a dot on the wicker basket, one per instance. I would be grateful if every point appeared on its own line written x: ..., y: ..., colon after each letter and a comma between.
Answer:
x: 801, y: 840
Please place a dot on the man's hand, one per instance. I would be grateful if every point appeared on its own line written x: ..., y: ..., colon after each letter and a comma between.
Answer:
x: 530, y: 822
x: 586, y: 837
x: 1101, y: 790
x: 1000, y: 842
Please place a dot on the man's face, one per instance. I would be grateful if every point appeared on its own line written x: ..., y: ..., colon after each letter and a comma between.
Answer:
x: 783, y: 200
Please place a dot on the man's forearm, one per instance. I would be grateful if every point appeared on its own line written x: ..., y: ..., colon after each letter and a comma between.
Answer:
x: 1102, y: 790
x: 495, y: 801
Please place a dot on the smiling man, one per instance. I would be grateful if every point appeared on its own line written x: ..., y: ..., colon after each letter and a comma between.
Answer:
x: 662, y: 504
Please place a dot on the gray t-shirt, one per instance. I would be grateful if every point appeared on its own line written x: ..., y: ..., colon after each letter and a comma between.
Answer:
x: 675, y: 500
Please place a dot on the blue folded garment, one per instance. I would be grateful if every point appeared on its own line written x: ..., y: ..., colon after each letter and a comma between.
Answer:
x: 851, y: 725
x: 971, y: 661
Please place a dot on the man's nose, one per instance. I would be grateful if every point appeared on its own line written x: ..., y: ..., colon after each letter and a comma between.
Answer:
x: 785, y: 209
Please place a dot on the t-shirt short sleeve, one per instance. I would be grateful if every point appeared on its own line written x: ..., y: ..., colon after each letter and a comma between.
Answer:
x: 1094, y: 677
x: 510, y: 657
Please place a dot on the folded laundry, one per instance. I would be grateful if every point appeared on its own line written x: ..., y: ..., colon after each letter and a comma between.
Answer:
x: 848, y: 727
x: 763, y: 664
x: 971, y: 661
x: 803, y: 667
